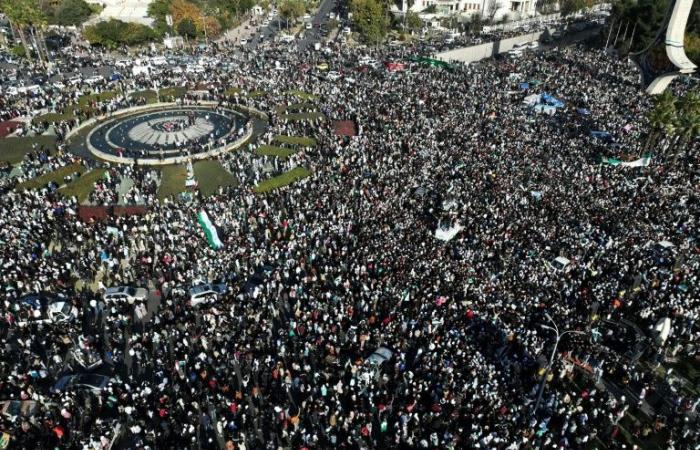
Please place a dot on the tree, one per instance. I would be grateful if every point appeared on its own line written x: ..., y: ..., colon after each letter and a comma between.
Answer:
x: 22, y: 14
x: 546, y: 6
x: 112, y: 33
x: 687, y: 120
x: 371, y: 19
x: 413, y: 21
x: 662, y: 118
x: 568, y: 7
x: 158, y: 10
x: 291, y: 10
x: 187, y: 29
x: 72, y: 12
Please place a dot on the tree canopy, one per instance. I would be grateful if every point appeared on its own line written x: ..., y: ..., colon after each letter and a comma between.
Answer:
x: 112, y: 33
x: 370, y: 17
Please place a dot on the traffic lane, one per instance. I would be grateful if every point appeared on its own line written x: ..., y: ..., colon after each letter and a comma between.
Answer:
x: 267, y: 32
x: 321, y: 18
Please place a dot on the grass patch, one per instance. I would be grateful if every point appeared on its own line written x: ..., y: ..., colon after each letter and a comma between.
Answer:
x: 14, y: 149
x: 301, y: 94
x: 298, y: 117
x: 83, y: 186
x: 172, y: 181
x: 86, y: 100
x: 301, y: 141
x: 295, y: 107
x: 211, y: 175
x: 256, y: 94
x: 175, y: 91
x: 56, y: 176
x: 53, y: 117
x: 233, y: 91
x: 279, y: 152
x: 150, y: 96
x: 285, y: 179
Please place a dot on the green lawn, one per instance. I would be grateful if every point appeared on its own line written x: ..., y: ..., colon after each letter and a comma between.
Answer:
x: 295, y: 107
x: 233, y: 91
x: 172, y: 181
x: 83, y: 186
x: 302, y: 141
x: 85, y: 100
x: 279, y: 152
x: 255, y: 94
x: 285, y: 179
x: 150, y: 95
x: 56, y: 176
x: 211, y: 175
x: 54, y: 117
x: 13, y: 149
x: 301, y: 94
x: 298, y: 117
x: 175, y: 91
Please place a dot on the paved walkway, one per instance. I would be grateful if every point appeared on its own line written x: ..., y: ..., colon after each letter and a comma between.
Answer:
x: 124, y: 185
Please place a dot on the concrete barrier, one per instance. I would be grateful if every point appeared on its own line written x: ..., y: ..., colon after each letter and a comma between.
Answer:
x: 487, y: 50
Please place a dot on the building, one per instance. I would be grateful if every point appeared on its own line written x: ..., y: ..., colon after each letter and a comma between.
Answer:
x: 125, y: 10
x: 490, y: 9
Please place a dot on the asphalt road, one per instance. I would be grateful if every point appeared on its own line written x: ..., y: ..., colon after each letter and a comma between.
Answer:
x: 314, y: 34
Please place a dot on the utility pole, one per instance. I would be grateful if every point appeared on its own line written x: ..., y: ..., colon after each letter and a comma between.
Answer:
x: 551, y: 358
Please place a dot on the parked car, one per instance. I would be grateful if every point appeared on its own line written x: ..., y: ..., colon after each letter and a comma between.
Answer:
x: 559, y: 264
x: 125, y: 294
x: 89, y: 381
x: 206, y: 293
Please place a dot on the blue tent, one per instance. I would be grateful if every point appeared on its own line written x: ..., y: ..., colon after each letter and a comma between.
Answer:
x: 548, y: 99
x: 524, y: 86
x: 600, y: 134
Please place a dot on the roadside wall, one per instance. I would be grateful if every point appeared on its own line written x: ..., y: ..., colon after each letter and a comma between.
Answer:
x: 487, y: 50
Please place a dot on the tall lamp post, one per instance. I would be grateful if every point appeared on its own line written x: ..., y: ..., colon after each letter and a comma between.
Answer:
x: 551, y: 358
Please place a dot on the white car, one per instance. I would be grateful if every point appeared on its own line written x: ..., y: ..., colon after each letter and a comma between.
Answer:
x: 159, y: 61
x: 331, y: 15
x: 308, y: 25
x: 125, y: 294
x: 333, y: 75
x: 287, y: 38
x: 346, y: 30
x: 307, y: 17
x: 266, y: 22
x: 58, y: 85
x: 94, y: 79
x: 206, y: 293
x: 244, y: 41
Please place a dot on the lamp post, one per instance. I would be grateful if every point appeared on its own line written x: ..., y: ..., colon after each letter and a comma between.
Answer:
x: 551, y: 358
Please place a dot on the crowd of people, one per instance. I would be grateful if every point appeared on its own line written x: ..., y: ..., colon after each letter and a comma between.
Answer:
x: 330, y: 273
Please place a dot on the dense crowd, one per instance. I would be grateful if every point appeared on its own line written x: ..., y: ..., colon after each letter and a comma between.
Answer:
x: 325, y: 272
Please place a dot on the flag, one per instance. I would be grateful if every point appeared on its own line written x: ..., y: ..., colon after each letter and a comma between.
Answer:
x: 641, y: 162
x: 209, y: 230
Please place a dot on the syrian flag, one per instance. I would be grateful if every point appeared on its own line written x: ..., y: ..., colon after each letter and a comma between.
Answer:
x: 641, y: 162
x: 209, y: 230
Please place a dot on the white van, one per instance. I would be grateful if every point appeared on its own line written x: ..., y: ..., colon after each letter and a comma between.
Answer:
x: 159, y: 61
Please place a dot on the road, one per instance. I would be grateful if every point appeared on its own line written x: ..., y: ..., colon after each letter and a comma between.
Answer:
x: 321, y: 18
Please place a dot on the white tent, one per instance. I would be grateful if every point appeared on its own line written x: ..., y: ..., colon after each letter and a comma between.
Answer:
x: 532, y: 100
x: 663, y: 328
x: 447, y: 234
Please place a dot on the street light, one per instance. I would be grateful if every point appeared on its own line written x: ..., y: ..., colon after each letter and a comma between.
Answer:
x: 551, y: 358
